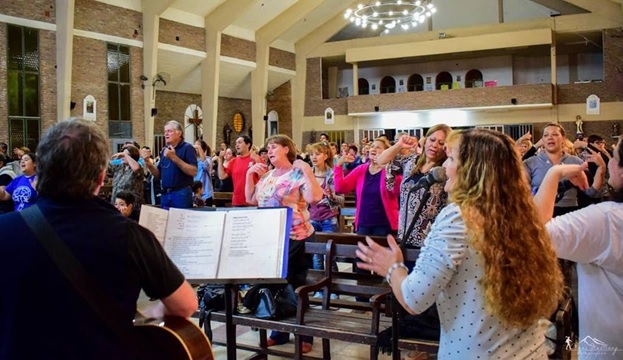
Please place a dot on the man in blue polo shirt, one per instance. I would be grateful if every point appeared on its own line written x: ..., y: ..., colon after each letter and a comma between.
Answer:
x: 176, y: 169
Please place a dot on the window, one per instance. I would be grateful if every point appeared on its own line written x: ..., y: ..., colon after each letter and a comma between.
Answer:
x: 473, y: 79
x: 499, y: 128
x: 417, y: 132
x: 388, y: 85
x: 443, y: 81
x: 119, y: 113
x: 517, y: 131
x: 336, y: 136
x: 415, y: 83
x: 364, y: 86
x: 23, y: 87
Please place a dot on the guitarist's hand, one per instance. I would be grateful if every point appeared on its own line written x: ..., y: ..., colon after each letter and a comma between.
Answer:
x: 155, y: 310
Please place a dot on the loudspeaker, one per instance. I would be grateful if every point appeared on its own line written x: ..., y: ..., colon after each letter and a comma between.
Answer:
x: 265, y: 117
x: 72, y: 105
x: 154, y: 111
x: 514, y: 101
x: 376, y: 108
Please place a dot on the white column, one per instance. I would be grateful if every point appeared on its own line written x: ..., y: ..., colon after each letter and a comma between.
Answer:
x: 210, y: 70
x: 64, y: 56
x: 151, y: 26
x: 355, y: 79
x: 259, y: 87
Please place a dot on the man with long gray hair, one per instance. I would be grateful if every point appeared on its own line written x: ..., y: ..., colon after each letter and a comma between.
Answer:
x: 118, y: 258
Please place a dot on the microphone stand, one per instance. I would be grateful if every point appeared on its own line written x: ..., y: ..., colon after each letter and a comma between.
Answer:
x: 395, y: 305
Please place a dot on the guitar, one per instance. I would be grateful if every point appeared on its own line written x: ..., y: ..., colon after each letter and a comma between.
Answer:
x: 173, y: 337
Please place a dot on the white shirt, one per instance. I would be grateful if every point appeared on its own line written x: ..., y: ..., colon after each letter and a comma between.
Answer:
x: 448, y: 272
x: 593, y: 237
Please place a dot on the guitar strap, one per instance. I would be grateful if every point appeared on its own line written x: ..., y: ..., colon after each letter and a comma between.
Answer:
x: 107, y: 309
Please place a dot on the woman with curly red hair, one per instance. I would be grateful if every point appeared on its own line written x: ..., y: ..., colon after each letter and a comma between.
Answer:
x: 487, y: 262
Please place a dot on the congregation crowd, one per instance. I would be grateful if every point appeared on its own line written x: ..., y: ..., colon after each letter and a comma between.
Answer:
x: 490, y: 229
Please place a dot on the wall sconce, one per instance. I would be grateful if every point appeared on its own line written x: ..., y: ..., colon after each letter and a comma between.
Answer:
x: 143, y: 79
x: 135, y: 34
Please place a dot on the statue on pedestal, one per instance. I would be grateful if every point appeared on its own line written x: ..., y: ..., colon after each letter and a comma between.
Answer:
x: 578, y: 126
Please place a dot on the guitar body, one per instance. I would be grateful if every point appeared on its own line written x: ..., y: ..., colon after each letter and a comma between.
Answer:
x: 173, y: 338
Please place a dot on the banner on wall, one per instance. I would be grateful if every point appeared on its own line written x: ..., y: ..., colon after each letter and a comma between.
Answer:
x: 593, y: 105
x: 329, y: 116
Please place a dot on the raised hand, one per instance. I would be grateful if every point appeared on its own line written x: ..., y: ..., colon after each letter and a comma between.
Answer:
x: 407, y: 142
x: 348, y: 158
x: 169, y: 152
x: 259, y: 168
x: 301, y: 165
x: 526, y: 136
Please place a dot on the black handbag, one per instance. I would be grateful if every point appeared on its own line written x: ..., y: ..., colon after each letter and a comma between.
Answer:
x: 276, y: 304
x: 211, y: 298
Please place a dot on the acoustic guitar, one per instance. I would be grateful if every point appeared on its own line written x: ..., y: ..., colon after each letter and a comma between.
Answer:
x: 174, y: 338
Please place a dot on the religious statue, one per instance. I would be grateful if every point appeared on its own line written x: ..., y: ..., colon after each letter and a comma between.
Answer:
x: 227, y: 134
x: 578, y: 125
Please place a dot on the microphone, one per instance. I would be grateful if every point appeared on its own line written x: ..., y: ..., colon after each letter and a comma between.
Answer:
x: 435, y: 175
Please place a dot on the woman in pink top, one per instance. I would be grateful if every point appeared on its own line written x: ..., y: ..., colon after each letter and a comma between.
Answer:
x: 291, y: 183
x: 376, y: 207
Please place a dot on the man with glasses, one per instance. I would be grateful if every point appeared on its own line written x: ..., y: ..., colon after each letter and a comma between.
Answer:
x: 176, y: 169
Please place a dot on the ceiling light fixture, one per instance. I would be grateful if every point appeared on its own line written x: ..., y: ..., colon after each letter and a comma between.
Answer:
x: 388, y: 14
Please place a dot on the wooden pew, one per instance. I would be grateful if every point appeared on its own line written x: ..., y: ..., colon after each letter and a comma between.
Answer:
x: 222, y: 199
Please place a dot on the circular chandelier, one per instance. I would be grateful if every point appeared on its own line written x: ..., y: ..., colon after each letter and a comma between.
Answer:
x: 390, y: 14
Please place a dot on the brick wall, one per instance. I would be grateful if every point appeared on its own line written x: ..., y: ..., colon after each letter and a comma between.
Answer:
x: 171, y: 106
x: 47, y: 78
x: 282, y: 59
x: 40, y: 10
x: 237, y: 48
x: 227, y: 107
x: 4, y: 123
x: 102, y: 18
x: 612, y: 88
x: 282, y: 104
x: 450, y: 99
x: 89, y: 77
x: 189, y: 36
x: 314, y: 103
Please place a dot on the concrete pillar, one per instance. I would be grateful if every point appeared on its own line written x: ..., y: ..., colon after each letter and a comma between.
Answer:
x: 64, y: 56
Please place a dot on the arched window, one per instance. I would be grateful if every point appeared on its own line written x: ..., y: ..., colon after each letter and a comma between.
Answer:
x: 473, y: 78
x: 443, y: 78
x: 415, y: 83
x: 388, y: 85
x: 364, y: 86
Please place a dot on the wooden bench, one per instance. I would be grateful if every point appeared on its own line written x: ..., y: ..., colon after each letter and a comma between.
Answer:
x: 222, y: 199
x: 322, y: 319
x: 286, y: 325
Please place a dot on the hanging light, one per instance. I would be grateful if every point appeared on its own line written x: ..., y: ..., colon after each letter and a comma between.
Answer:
x: 385, y: 14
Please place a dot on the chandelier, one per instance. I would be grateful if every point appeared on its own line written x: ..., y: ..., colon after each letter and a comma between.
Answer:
x: 390, y: 14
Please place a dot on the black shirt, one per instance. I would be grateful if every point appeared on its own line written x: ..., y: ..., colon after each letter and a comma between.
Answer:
x: 41, y: 315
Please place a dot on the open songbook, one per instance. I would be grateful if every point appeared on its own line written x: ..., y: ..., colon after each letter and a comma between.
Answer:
x: 235, y: 244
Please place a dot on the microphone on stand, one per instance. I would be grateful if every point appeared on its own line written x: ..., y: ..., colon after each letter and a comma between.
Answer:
x: 435, y: 175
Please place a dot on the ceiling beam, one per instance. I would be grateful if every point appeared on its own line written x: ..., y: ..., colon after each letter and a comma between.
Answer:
x: 284, y: 21
x: 226, y: 13
x: 324, y: 32
x: 595, y: 6
x: 561, y: 6
x: 156, y: 7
